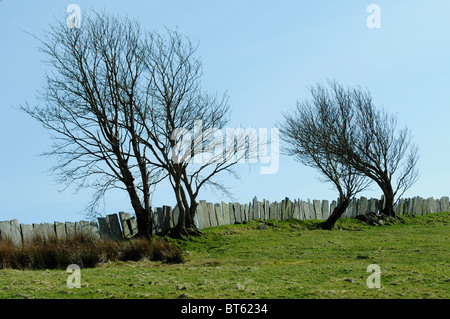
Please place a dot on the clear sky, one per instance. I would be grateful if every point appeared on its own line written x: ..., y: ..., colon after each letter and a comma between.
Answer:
x: 264, y: 54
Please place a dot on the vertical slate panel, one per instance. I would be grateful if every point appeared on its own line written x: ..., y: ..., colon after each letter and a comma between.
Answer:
x: 243, y: 217
x: 132, y: 224
x: 307, y: 209
x: 237, y: 212
x: 211, y: 215
x: 266, y: 209
x: 109, y: 227
x: 276, y: 211
x: 362, y: 206
x: 372, y: 205
x: 444, y: 204
x: 219, y: 214
x: 325, y: 209
x: 256, y: 213
x: 419, y: 207
x: 245, y: 211
x: 289, y: 209
x: 272, y: 211
x: 296, y: 209
x: 232, y: 212
x: 15, y: 231
x: 60, y: 230
x: 201, y: 214
x: 70, y: 229
x: 251, y: 211
x: 333, y: 206
x: 226, y: 214
x: 126, y: 228
x: 301, y: 206
x: 114, y: 226
x: 283, y: 212
x: 317, y: 209
x: 27, y: 233
x: 11, y: 230
x: 89, y: 229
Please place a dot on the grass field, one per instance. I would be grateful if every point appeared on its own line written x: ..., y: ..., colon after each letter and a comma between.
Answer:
x: 289, y: 259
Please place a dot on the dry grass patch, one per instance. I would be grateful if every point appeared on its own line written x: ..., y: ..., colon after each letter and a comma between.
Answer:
x: 84, y: 251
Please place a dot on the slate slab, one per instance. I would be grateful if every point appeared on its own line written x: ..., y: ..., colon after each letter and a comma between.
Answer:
x: 27, y: 233
x: 10, y: 230
x: 202, y: 215
x: 444, y: 204
x: 219, y: 215
x: 296, y: 209
x: 265, y: 215
x: 237, y: 213
x: 126, y: 231
x: 325, y: 209
x: 333, y: 206
x: 317, y: 209
x: 226, y: 214
x: 70, y: 229
x: 115, y: 232
x: 256, y: 213
x: 363, y: 206
x: 60, y: 231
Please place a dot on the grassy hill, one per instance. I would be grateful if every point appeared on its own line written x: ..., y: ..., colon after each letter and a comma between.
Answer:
x: 288, y: 259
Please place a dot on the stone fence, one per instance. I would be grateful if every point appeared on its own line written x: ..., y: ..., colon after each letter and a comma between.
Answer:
x: 123, y: 225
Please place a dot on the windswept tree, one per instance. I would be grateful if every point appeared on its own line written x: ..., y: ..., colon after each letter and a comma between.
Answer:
x: 378, y: 148
x: 310, y: 134
x: 341, y: 130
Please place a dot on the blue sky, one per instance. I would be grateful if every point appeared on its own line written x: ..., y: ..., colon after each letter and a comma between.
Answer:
x: 264, y: 54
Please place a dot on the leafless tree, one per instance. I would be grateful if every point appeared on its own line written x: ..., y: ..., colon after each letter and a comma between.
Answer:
x: 310, y: 135
x: 342, y: 126
x: 90, y: 95
x: 113, y: 100
x: 378, y: 149
x: 182, y: 124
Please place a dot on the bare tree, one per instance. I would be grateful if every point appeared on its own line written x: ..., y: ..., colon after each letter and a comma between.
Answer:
x: 182, y: 124
x: 89, y: 100
x: 377, y: 148
x: 310, y: 135
x: 362, y: 138
x: 113, y: 100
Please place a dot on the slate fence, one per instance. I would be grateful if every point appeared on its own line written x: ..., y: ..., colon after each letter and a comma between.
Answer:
x: 123, y: 225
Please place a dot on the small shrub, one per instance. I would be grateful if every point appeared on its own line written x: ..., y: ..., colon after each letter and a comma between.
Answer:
x: 6, y: 252
x: 109, y: 250
x: 166, y: 252
x: 135, y: 249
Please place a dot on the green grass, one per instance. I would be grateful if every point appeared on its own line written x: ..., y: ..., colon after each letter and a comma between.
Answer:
x: 290, y: 259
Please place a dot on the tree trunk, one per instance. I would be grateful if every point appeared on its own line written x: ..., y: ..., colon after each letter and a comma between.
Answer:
x: 181, y: 227
x: 185, y: 226
x: 192, y: 212
x: 389, y: 205
x: 190, y: 218
x: 180, y: 230
x: 191, y: 208
x: 144, y: 223
x: 337, y: 212
x: 389, y: 199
